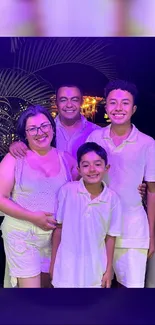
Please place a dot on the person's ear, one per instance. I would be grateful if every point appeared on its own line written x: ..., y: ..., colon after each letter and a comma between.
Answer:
x: 134, y: 109
x: 107, y: 167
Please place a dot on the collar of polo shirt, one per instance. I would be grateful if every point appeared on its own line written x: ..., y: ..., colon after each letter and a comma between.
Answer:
x: 131, y: 138
x: 103, y: 196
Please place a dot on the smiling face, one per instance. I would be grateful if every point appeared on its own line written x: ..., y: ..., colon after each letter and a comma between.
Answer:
x: 69, y: 101
x: 39, y: 139
x: 92, y: 168
x: 120, y: 106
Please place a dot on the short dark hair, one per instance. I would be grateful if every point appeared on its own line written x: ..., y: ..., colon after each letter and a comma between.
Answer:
x: 123, y: 85
x: 33, y: 111
x: 69, y: 86
x: 89, y: 147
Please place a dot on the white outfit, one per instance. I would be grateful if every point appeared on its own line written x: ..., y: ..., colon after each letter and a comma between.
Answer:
x: 131, y: 161
x: 28, y: 247
x: 81, y: 258
x: 130, y: 266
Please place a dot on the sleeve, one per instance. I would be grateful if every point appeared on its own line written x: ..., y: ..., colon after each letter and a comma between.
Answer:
x: 59, y: 206
x: 115, y: 224
x: 149, y: 172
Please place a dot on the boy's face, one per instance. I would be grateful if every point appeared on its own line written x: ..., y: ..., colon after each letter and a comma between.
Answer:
x: 92, y: 168
x: 120, y: 106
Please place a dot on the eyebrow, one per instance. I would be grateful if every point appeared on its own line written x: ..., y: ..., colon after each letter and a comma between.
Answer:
x: 31, y: 125
x: 36, y: 125
x: 122, y: 99
x: 68, y: 97
x: 85, y: 161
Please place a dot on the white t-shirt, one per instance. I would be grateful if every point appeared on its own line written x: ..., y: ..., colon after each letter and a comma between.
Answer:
x: 81, y: 257
x: 131, y: 161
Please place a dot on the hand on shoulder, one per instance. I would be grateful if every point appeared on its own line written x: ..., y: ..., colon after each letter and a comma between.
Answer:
x: 18, y: 149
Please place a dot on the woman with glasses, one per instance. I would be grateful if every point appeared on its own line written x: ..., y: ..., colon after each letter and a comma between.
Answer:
x: 28, y: 190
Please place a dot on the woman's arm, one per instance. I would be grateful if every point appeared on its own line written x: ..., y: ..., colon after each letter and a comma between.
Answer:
x: 7, y: 206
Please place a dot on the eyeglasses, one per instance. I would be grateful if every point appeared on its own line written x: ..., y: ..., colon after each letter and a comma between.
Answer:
x: 45, y: 128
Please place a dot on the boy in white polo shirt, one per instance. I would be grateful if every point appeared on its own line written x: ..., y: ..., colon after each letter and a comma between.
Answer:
x: 90, y: 214
x: 131, y: 155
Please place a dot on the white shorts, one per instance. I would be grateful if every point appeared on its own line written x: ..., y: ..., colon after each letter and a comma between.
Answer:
x: 27, y: 253
x: 130, y: 266
x: 150, y: 274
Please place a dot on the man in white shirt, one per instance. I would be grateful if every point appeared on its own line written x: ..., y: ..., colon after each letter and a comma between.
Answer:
x: 131, y: 155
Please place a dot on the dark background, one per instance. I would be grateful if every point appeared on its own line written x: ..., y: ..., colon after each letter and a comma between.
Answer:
x: 89, y: 62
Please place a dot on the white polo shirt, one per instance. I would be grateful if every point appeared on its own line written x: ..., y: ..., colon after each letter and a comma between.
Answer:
x: 130, y: 162
x: 81, y: 257
x: 68, y: 143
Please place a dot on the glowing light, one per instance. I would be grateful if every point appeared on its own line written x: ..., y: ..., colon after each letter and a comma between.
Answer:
x: 107, y: 118
x: 53, y: 114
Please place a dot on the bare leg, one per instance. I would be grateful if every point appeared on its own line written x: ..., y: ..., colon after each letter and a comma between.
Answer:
x: 45, y: 280
x: 7, y: 278
x: 33, y: 282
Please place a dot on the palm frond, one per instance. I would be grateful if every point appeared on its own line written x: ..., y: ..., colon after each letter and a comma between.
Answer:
x: 46, y: 52
x: 16, y: 42
x: 27, y: 86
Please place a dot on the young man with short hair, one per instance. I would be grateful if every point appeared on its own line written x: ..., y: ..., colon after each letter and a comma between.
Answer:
x: 131, y: 155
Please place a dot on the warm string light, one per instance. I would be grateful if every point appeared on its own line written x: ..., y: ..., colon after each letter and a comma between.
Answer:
x: 6, y: 125
x: 106, y: 117
x: 54, y: 114
x: 89, y: 106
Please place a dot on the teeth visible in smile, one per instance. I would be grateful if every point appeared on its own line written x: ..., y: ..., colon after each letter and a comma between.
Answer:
x: 118, y: 115
x: 93, y: 176
x: 69, y: 111
x: 41, y: 139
